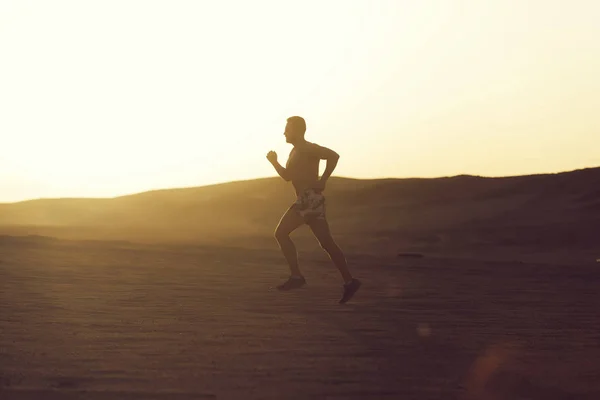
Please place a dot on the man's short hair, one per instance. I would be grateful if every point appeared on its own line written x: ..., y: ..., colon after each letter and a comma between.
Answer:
x: 298, y: 122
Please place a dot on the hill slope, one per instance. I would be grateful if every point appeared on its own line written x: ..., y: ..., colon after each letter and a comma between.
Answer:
x: 538, y: 210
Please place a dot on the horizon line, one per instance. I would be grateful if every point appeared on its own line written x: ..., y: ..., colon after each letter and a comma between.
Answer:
x: 276, y: 177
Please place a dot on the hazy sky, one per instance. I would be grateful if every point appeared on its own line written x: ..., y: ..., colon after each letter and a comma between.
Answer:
x: 102, y: 98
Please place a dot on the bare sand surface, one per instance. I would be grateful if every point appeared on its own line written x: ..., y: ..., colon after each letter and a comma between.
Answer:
x: 109, y: 321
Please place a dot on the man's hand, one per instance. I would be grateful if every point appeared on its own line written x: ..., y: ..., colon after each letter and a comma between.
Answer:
x: 272, y: 157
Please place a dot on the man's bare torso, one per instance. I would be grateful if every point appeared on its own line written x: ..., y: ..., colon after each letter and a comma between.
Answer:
x: 303, y: 166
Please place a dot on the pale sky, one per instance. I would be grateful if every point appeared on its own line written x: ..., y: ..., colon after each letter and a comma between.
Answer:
x: 104, y: 98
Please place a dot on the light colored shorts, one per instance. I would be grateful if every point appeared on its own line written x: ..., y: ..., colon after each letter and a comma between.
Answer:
x: 310, y: 204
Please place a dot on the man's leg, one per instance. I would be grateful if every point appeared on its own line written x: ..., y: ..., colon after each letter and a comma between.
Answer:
x: 320, y: 229
x: 290, y: 221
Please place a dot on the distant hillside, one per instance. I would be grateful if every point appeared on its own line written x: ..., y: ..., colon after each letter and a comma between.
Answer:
x: 538, y: 210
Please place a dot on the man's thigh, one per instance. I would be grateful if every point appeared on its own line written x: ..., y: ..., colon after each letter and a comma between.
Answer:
x: 289, y: 222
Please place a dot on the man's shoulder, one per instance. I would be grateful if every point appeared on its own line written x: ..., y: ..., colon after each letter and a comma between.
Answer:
x: 310, y: 147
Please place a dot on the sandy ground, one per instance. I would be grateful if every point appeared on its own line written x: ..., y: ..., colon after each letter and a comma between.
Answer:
x: 105, y: 322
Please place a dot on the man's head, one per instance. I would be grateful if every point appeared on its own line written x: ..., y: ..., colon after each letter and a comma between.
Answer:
x: 295, y: 129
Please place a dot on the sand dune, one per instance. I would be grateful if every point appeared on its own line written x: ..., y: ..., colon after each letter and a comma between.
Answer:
x: 555, y: 210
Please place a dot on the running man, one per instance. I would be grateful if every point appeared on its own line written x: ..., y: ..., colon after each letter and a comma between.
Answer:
x: 302, y: 169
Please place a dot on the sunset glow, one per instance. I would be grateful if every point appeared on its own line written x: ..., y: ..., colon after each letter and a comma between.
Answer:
x: 115, y: 97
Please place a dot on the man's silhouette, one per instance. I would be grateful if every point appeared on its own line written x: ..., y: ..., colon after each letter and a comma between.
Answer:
x: 302, y: 169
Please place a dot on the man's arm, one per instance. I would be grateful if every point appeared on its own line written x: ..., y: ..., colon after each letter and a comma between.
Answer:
x: 283, y: 173
x: 331, y: 158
